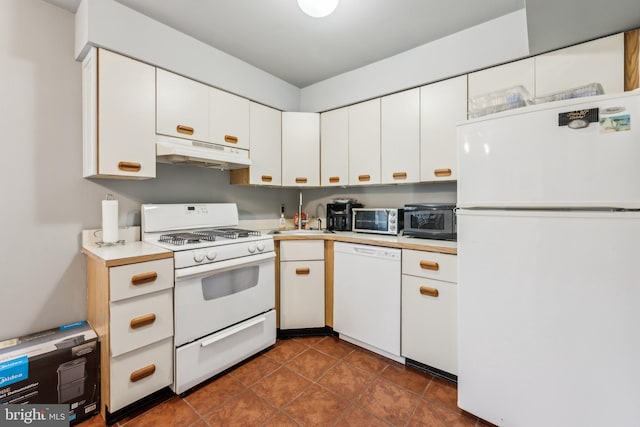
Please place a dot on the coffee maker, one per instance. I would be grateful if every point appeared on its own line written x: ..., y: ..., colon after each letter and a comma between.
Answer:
x: 339, y: 215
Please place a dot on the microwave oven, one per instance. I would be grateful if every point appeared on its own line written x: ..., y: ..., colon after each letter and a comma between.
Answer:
x: 430, y: 221
x: 377, y: 220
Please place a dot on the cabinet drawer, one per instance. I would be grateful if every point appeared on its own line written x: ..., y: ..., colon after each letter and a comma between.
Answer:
x: 429, y: 264
x: 302, y: 294
x: 302, y: 250
x: 139, y: 373
x: 429, y: 322
x: 141, y: 278
x: 136, y: 322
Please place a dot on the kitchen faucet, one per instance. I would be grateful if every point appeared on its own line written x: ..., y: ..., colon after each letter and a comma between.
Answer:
x: 300, y: 212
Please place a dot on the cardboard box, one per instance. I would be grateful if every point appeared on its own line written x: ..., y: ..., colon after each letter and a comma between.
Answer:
x: 57, y: 366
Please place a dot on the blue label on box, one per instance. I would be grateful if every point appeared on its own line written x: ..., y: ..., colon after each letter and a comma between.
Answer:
x: 72, y: 325
x: 14, y: 370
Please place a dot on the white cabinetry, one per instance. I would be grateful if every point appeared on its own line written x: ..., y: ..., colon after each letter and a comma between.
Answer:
x: 429, y: 309
x: 265, y: 132
x: 364, y: 143
x: 228, y: 119
x: 130, y: 305
x: 400, y: 137
x: 118, y: 116
x: 517, y: 73
x: 300, y: 149
x: 334, y: 147
x: 182, y: 107
x: 302, y: 284
x: 598, y: 61
x: 442, y: 105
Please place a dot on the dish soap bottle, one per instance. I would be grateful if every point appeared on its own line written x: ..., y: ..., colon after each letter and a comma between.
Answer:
x: 282, y: 221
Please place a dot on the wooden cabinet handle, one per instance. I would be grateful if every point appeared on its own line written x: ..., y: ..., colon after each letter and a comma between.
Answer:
x: 429, y: 265
x: 301, y: 180
x: 141, y: 279
x: 142, y: 373
x: 129, y: 166
x: 399, y: 175
x: 363, y: 178
x: 430, y: 292
x: 304, y: 270
x: 230, y: 138
x: 334, y: 179
x: 140, y: 321
x: 267, y: 178
x: 442, y: 172
x: 187, y: 130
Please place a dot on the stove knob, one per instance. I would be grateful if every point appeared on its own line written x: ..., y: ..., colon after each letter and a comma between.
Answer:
x: 252, y: 247
x: 260, y: 247
x: 211, y: 255
x: 198, y: 257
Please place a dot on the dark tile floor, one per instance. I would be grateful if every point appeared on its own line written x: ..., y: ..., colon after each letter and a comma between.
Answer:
x: 315, y: 381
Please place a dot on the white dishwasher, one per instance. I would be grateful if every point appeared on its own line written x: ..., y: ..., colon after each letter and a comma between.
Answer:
x: 367, y: 295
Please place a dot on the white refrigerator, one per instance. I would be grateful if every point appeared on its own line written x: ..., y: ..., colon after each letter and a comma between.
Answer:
x: 549, y: 264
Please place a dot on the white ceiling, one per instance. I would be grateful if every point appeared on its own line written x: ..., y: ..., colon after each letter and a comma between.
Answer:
x: 277, y: 37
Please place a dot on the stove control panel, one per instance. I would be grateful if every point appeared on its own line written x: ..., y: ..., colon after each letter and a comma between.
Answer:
x: 196, y: 210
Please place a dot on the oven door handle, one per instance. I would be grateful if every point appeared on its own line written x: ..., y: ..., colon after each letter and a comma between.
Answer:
x: 232, y: 331
x: 217, y: 267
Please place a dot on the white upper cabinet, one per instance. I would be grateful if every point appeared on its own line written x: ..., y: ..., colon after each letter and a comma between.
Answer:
x: 118, y: 116
x: 518, y: 73
x: 334, y: 147
x: 442, y: 106
x: 364, y: 143
x: 265, y: 130
x: 598, y: 61
x: 182, y: 107
x: 400, y: 137
x: 228, y: 119
x: 300, y: 149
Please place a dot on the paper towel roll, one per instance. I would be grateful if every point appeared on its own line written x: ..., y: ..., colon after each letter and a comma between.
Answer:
x: 109, y: 220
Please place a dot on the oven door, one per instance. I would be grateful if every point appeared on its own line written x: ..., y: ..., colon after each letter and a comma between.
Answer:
x: 211, y: 297
x: 371, y: 220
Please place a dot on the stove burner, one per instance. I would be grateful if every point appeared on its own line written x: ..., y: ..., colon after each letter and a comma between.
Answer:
x: 179, y: 238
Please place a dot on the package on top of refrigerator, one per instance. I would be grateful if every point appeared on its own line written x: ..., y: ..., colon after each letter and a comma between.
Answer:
x: 53, y: 367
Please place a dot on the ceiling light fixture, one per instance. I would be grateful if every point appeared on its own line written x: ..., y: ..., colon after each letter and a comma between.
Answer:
x: 318, y: 8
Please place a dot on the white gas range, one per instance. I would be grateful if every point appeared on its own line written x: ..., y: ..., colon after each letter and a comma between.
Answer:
x: 224, y: 295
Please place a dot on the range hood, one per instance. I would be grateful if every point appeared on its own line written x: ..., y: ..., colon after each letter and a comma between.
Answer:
x: 201, y: 154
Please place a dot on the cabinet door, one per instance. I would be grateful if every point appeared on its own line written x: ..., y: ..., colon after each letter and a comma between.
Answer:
x: 182, y: 107
x: 228, y: 119
x: 442, y: 106
x: 517, y: 73
x: 300, y: 149
x: 429, y: 322
x: 598, y: 61
x: 125, y: 128
x: 400, y: 137
x: 364, y: 143
x: 266, y: 145
x: 334, y: 147
x: 301, y: 294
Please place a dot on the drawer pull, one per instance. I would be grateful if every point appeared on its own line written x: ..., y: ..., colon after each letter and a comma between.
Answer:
x: 142, y: 373
x: 363, y: 178
x: 442, y: 172
x: 232, y: 331
x: 129, y: 166
x: 230, y: 138
x: 429, y: 265
x: 187, y: 130
x: 141, y: 279
x: 267, y: 178
x: 334, y: 179
x: 430, y: 292
x: 304, y: 270
x: 399, y: 175
x: 140, y: 321
x: 301, y: 180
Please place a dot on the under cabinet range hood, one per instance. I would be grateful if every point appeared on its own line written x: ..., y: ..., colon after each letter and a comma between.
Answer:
x: 201, y: 154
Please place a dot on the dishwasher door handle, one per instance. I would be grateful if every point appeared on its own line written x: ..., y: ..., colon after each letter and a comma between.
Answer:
x: 365, y: 251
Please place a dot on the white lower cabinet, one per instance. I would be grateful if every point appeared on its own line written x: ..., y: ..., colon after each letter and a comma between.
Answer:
x: 429, y: 309
x: 302, y: 284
